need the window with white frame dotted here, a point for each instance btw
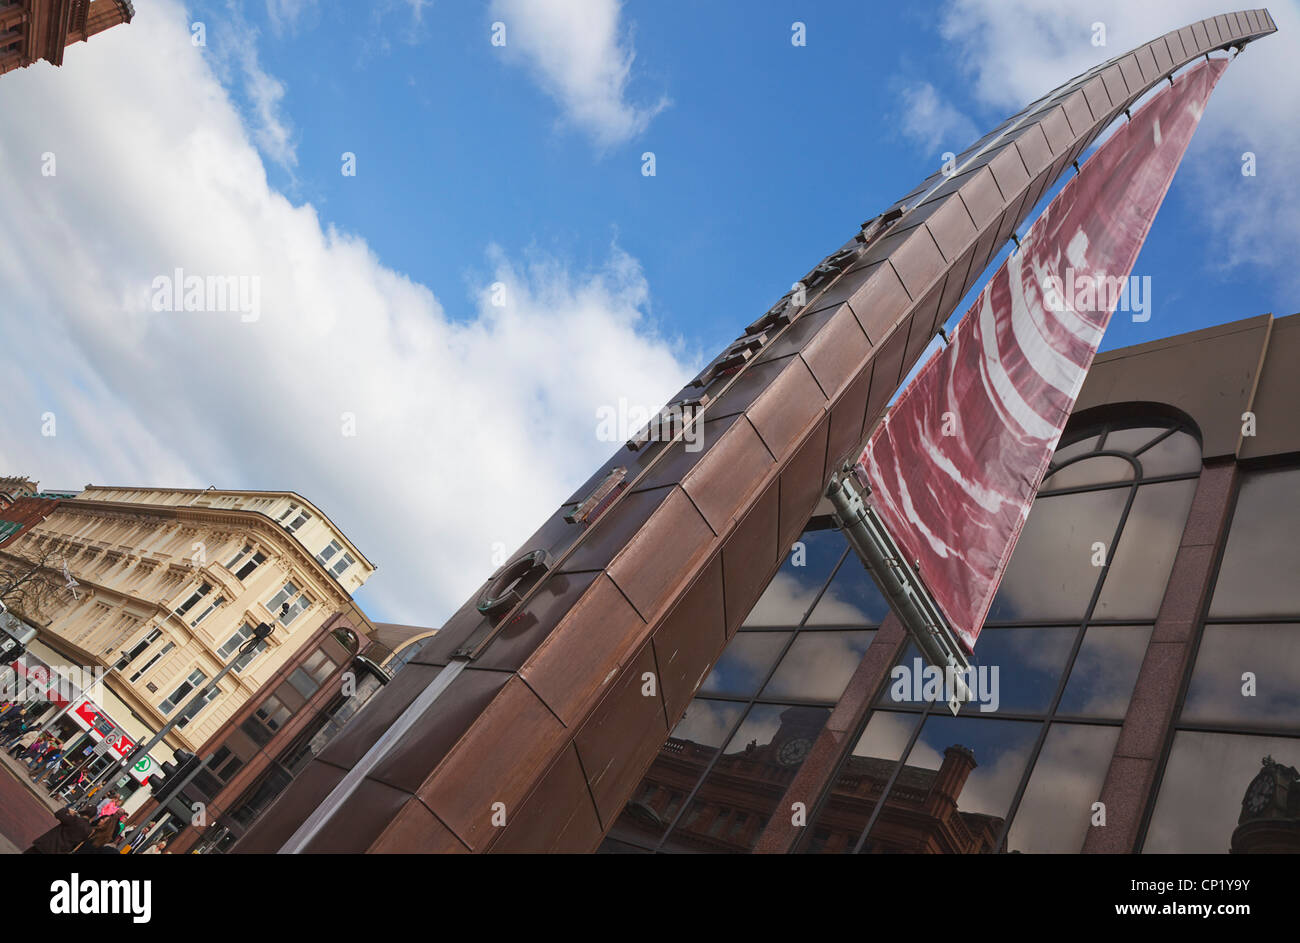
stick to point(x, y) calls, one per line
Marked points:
point(207, 612)
point(183, 690)
point(297, 601)
point(194, 598)
point(137, 650)
point(334, 559)
point(294, 518)
point(139, 672)
point(193, 710)
point(245, 562)
point(231, 648)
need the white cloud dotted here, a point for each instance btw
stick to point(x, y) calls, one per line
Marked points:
point(932, 123)
point(581, 57)
point(1016, 50)
point(470, 430)
point(286, 14)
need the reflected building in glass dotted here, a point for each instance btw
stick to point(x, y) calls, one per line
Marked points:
point(1147, 630)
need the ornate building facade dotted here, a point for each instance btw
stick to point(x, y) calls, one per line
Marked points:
point(167, 585)
point(32, 30)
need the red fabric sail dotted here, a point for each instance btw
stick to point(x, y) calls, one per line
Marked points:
point(954, 467)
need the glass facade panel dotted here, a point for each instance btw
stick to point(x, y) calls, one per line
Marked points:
point(818, 666)
point(1099, 470)
point(1203, 787)
point(1055, 812)
point(1105, 671)
point(1051, 575)
point(1246, 674)
point(1258, 573)
point(851, 599)
point(1178, 454)
point(745, 663)
point(1141, 561)
point(801, 577)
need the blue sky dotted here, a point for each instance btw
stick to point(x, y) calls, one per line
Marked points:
point(768, 155)
point(520, 165)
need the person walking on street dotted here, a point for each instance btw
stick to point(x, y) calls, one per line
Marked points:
point(103, 834)
point(73, 829)
point(24, 742)
point(109, 805)
point(50, 763)
point(13, 727)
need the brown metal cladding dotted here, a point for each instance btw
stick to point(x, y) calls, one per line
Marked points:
point(623, 734)
point(645, 571)
point(837, 351)
point(308, 790)
point(654, 544)
point(881, 302)
point(416, 829)
point(559, 816)
point(407, 766)
point(750, 553)
point(596, 639)
point(692, 635)
point(787, 409)
point(847, 417)
point(498, 760)
point(800, 491)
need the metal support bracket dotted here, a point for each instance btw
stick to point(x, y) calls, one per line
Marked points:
point(901, 584)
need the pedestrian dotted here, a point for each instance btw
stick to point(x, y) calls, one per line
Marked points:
point(109, 805)
point(13, 727)
point(24, 742)
point(50, 764)
point(102, 834)
point(73, 829)
point(157, 848)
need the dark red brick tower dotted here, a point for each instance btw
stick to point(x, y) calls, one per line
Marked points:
point(31, 30)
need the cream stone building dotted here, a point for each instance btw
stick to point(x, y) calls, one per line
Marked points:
point(171, 582)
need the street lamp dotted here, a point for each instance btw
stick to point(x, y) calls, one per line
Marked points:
point(260, 634)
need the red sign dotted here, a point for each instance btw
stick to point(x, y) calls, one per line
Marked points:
point(955, 465)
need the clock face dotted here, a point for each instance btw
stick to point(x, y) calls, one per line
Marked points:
point(793, 751)
point(1260, 793)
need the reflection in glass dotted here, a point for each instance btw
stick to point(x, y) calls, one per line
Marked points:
point(1082, 447)
point(745, 663)
point(1105, 671)
point(818, 665)
point(1140, 563)
point(1258, 574)
point(1029, 662)
point(1051, 575)
point(1219, 692)
point(851, 599)
point(1132, 440)
point(959, 766)
point(707, 723)
point(801, 576)
point(1179, 454)
point(740, 793)
point(1090, 471)
point(1203, 788)
point(676, 770)
point(1055, 812)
